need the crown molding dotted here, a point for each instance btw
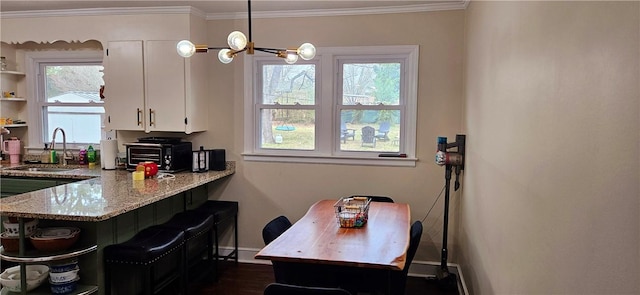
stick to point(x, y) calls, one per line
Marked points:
point(461, 4)
point(105, 11)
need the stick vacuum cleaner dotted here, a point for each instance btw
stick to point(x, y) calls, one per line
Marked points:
point(451, 161)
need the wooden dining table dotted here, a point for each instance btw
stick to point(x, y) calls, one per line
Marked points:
point(318, 240)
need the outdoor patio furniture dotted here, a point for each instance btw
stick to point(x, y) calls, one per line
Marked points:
point(383, 131)
point(346, 133)
point(368, 136)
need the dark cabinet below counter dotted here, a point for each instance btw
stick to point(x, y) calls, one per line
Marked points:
point(10, 186)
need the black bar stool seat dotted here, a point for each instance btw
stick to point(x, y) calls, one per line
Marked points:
point(153, 256)
point(197, 227)
point(223, 213)
point(221, 210)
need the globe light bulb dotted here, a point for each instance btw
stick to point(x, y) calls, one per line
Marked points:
point(291, 58)
point(307, 51)
point(224, 57)
point(186, 48)
point(237, 40)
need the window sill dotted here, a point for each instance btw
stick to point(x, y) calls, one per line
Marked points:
point(316, 159)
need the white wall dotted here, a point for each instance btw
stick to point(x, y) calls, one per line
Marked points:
point(551, 200)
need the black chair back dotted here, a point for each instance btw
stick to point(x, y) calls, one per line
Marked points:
point(270, 232)
point(275, 228)
point(400, 279)
point(285, 289)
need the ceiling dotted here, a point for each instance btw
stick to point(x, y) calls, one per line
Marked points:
point(226, 6)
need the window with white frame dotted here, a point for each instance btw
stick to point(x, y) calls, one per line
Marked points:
point(66, 87)
point(348, 105)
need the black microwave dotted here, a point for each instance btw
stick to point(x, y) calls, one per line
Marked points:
point(170, 157)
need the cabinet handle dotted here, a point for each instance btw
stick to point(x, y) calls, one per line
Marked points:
point(139, 114)
point(152, 117)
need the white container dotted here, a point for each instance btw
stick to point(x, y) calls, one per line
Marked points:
point(13, 229)
point(63, 277)
point(36, 275)
point(108, 154)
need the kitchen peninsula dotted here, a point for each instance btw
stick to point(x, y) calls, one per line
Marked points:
point(107, 205)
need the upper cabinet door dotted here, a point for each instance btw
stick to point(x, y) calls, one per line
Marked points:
point(165, 87)
point(124, 86)
point(149, 87)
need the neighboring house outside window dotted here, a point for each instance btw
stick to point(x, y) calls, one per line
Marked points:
point(66, 90)
point(348, 105)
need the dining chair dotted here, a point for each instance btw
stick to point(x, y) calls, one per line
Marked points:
point(275, 228)
point(286, 289)
point(399, 279)
point(270, 232)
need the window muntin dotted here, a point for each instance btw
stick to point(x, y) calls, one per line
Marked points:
point(69, 98)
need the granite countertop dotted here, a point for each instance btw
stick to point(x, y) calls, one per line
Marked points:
point(100, 195)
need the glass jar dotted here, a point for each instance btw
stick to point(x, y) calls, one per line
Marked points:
point(3, 63)
point(45, 157)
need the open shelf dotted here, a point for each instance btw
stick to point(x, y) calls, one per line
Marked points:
point(13, 73)
point(14, 125)
point(34, 256)
point(45, 288)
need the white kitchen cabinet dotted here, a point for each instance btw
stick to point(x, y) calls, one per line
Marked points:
point(124, 86)
point(149, 87)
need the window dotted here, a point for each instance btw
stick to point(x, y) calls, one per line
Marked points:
point(348, 105)
point(67, 95)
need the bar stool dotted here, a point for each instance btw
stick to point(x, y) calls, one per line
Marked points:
point(197, 227)
point(223, 212)
point(152, 256)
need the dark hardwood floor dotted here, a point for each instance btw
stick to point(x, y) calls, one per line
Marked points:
point(251, 279)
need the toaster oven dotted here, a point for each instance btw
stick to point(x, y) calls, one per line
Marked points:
point(171, 156)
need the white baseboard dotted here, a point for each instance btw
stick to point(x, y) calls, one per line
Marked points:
point(418, 268)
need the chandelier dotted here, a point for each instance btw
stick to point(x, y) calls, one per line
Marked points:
point(239, 43)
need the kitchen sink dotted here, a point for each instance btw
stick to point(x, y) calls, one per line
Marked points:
point(41, 169)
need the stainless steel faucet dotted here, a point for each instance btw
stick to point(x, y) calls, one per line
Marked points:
point(65, 156)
